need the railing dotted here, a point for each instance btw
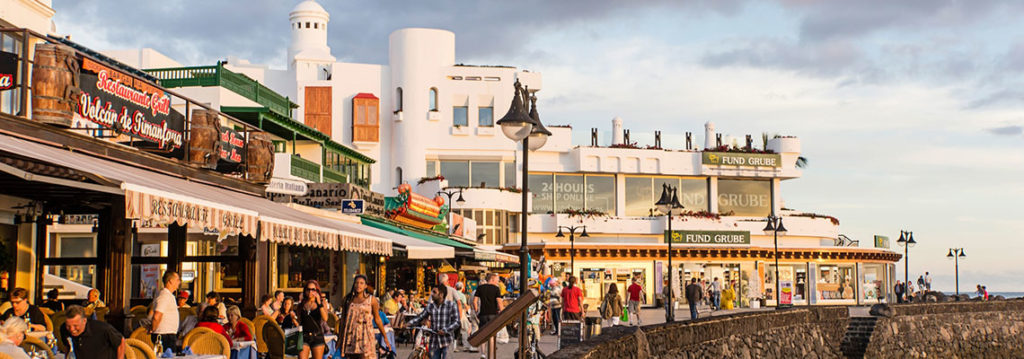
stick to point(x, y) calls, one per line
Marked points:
point(219, 76)
point(305, 169)
point(334, 176)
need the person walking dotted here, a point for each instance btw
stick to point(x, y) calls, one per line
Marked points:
point(100, 340)
point(486, 303)
point(312, 313)
point(669, 296)
point(359, 311)
point(164, 313)
point(716, 294)
point(444, 321)
point(555, 304)
point(636, 295)
point(611, 307)
point(465, 327)
point(694, 294)
point(898, 291)
point(571, 297)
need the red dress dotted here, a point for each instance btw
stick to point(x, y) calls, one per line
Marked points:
point(217, 328)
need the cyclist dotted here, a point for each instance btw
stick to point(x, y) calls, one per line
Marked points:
point(444, 322)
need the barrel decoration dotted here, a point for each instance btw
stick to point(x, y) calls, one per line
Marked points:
point(55, 84)
point(204, 138)
point(259, 158)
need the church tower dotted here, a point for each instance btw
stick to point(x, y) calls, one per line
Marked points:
point(308, 50)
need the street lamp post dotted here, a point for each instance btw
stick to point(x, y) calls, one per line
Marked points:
point(572, 245)
point(775, 226)
point(669, 205)
point(518, 124)
point(956, 254)
point(906, 241)
point(451, 193)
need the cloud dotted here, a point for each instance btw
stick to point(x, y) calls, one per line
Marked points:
point(996, 99)
point(1012, 130)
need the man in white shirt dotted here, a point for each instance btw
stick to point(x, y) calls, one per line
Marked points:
point(164, 313)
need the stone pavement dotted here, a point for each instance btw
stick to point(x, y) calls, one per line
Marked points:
point(549, 344)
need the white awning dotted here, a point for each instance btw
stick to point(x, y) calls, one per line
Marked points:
point(353, 236)
point(486, 255)
point(414, 248)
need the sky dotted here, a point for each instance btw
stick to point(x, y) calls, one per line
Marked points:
point(911, 113)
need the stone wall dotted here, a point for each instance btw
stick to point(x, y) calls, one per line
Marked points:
point(992, 329)
point(805, 332)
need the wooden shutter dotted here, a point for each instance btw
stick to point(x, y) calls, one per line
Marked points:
point(365, 118)
point(318, 109)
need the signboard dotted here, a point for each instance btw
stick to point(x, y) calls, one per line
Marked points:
point(150, 278)
point(709, 237)
point(352, 206)
point(331, 195)
point(79, 219)
point(133, 109)
point(232, 146)
point(787, 293)
point(570, 332)
point(882, 242)
point(286, 186)
point(741, 159)
point(8, 70)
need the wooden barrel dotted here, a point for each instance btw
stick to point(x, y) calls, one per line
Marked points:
point(259, 157)
point(54, 84)
point(204, 139)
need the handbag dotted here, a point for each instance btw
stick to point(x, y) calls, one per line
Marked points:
point(604, 307)
point(625, 315)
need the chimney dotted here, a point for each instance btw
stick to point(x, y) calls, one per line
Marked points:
point(617, 130)
point(709, 135)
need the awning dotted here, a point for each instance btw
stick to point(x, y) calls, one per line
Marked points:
point(153, 196)
point(414, 248)
point(353, 236)
point(163, 199)
point(485, 255)
point(416, 234)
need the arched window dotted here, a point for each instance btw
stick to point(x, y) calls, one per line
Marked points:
point(433, 99)
point(398, 99)
point(398, 176)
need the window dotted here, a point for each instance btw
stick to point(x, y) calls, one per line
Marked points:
point(643, 191)
point(744, 197)
point(431, 168)
point(600, 193)
point(296, 264)
point(318, 108)
point(398, 99)
point(307, 25)
point(398, 176)
point(510, 175)
point(459, 116)
point(365, 124)
point(486, 115)
point(569, 191)
point(432, 97)
point(542, 188)
point(493, 225)
point(485, 174)
point(456, 172)
point(835, 282)
point(639, 196)
point(316, 25)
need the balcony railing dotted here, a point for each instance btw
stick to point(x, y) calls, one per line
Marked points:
point(334, 176)
point(219, 76)
point(305, 169)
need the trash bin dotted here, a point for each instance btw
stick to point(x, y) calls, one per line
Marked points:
point(593, 327)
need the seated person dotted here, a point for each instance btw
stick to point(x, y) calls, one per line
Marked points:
point(268, 305)
point(213, 300)
point(183, 299)
point(89, 338)
point(93, 301)
point(12, 333)
point(238, 330)
point(209, 320)
point(29, 313)
point(286, 315)
point(51, 301)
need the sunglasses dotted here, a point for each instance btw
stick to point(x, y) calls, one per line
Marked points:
point(311, 289)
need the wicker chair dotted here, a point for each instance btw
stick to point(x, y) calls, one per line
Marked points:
point(58, 320)
point(49, 323)
point(46, 311)
point(138, 349)
point(142, 335)
point(257, 324)
point(138, 312)
point(101, 314)
point(273, 340)
point(210, 343)
point(332, 321)
point(35, 344)
point(193, 334)
point(185, 313)
point(248, 323)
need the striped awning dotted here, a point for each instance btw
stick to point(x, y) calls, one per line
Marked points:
point(162, 207)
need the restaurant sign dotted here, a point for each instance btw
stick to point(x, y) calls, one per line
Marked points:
point(741, 159)
point(882, 242)
point(709, 237)
point(132, 108)
point(333, 195)
point(8, 70)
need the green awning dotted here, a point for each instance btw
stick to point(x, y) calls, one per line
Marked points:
point(416, 234)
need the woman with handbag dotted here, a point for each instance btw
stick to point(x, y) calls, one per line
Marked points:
point(611, 307)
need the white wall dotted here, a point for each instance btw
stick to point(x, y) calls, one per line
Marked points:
point(36, 15)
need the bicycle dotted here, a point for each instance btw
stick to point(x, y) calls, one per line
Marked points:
point(421, 351)
point(533, 349)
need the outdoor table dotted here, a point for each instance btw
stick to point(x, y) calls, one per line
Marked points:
point(243, 350)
